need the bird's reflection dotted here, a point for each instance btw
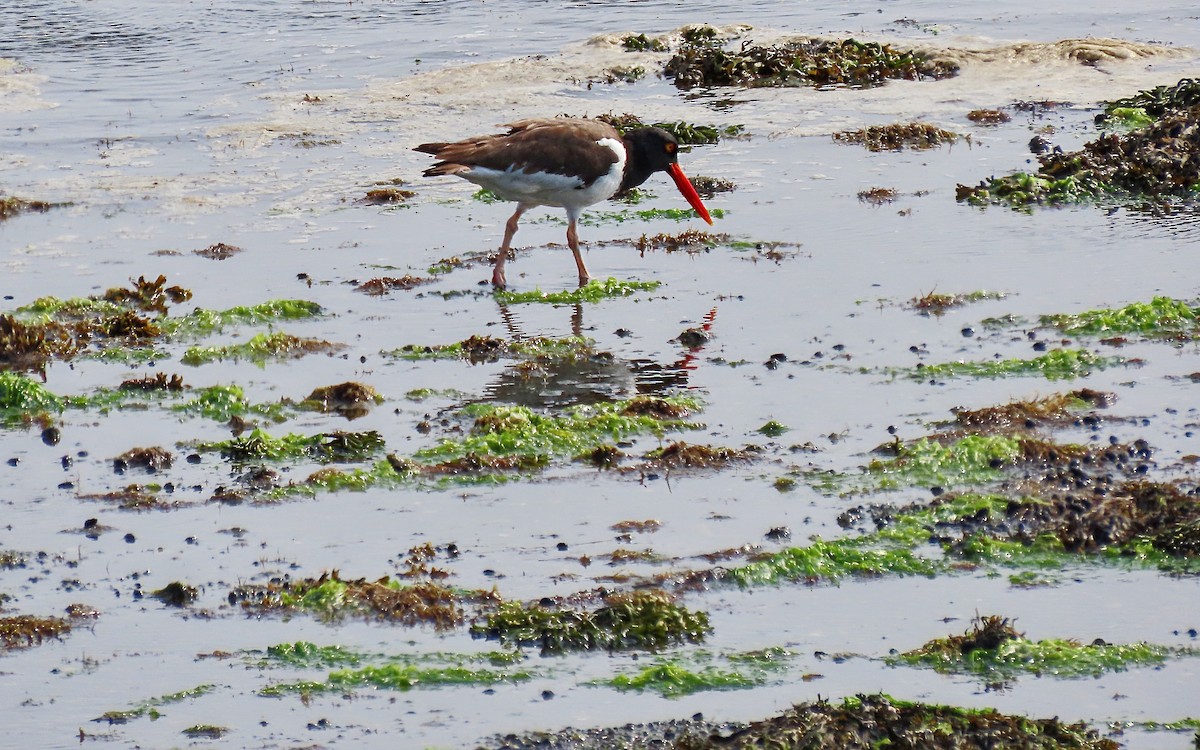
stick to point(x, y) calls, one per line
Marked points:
point(585, 377)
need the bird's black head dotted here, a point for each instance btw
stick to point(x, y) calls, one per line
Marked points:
point(650, 150)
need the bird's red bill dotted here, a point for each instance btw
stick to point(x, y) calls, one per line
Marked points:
point(689, 192)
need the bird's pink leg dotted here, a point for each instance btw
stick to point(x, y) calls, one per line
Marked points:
point(510, 228)
point(573, 243)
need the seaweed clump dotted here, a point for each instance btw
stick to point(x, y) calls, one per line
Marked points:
point(350, 399)
point(152, 296)
point(332, 597)
point(898, 136)
point(703, 61)
point(992, 647)
point(639, 620)
point(1159, 161)
point(871, 721)
point(11, 205)
point(23, 631)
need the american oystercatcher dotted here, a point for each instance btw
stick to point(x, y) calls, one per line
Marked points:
point(566, 162)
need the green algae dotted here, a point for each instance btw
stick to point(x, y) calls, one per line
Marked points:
point(1059, 364)
point(258, 349)
point(1022, 189)
point(22, 398)
point(260, 445)
point(830, 562)
point(1161, 317)
point(401, 677)
point(626, 215)
point(130, 355)
point(773, 429)
point(47, 308)
point(424, 394)
point(673, 680)
point(643, 43)
point(324, 447)
point(1128, 117)
point(972, 459)
point(487, 349)
point(223, 402)
point(1160, 100)
point(149, 708)
point(505, 431)
point(594, 291)
point(307, 655)
point(685, 675)
point(201, 322)
point(641, 620)
point(992, 648)
point(935, 303)
point(205, 731)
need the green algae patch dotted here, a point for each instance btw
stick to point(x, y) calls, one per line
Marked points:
point(201, 322)
point(223, 402)
point(626, 215)
point(704, 61)
point(25, 631)
point(992, 648)
point(23, 399)
point(937, 303)
point(259, 349)
point(863, 722)
point(594, 291)
point(478, 349)
point(773, 429)
point(1127, 117)
point(672, 680)
point(325, 447)
point(307, 655)
point(387, 599)
point(517, 431)
point(973, 459)
point(697, 672)
point(1160, 100)
point(641, 620)
point(1059, 364)
point(149, 708)
point(397, 677)
point(205, 732)
point(1161, 317)
point(830, 562)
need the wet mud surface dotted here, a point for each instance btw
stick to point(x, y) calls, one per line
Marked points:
point(862, 464)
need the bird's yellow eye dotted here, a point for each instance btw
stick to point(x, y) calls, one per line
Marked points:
point(670, 147)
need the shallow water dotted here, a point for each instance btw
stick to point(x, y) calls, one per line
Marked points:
point(173, 127)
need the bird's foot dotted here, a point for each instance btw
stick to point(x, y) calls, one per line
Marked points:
point(498, 279)
point(584, 279)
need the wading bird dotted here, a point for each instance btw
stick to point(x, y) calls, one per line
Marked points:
point(566, 162)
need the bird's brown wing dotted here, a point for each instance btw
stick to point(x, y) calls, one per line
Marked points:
point(557, 146)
